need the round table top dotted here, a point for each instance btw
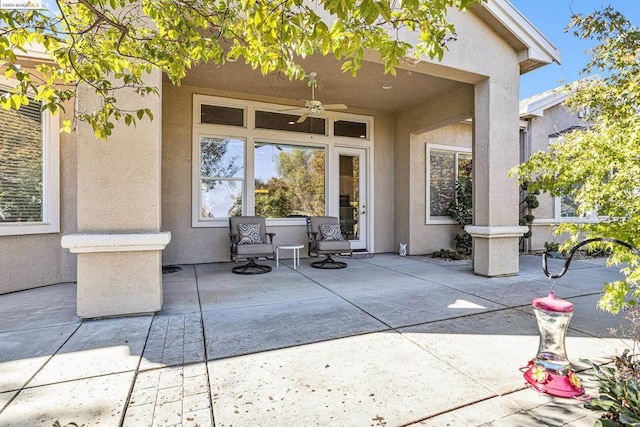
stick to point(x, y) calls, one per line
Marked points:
point(290, 246)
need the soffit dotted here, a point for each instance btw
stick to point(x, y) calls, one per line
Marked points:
point(534, 49)
point(365, 92)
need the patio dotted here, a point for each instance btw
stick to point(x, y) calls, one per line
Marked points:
point(388, 341)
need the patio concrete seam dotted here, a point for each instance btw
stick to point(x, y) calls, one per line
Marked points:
point(135, 375)
point(53, 325)
point(26, 385)
point(286, 347)
point(206, 355)
point(265, 304)
point(463, 316)
point(348, 301)
point(428, 281)
point(451, 410)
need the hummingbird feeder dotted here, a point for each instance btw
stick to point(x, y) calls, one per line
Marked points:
point(550, 371)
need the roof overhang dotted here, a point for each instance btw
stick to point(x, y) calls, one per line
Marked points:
point(534, 49)
point(535, 106)
point(34, 54)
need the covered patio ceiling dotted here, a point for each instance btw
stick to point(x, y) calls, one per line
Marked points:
point(368, 91)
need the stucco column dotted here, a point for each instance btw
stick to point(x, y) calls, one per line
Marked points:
point(119, 241)
point(495, 230)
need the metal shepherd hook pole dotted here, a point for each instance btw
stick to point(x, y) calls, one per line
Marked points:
point(567, 261)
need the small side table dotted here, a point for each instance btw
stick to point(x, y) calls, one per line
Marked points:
point(296, 254)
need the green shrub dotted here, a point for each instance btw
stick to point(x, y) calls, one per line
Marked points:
point(447, 254)
point(619, 391)
point(619, 385)
point(552, 246)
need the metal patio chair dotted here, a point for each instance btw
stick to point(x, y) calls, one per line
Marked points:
point(326, 238)
point(249, 240)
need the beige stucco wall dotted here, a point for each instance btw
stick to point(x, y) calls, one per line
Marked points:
point(200, 245)
point(34, 260)
point(427, 238)
point(555, 119)
point(435, 120)
point(489, 64)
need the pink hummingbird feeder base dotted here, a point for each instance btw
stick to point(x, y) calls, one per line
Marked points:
point(550, 371)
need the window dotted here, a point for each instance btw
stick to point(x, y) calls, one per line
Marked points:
point(445, 166)
point(219, 115)
point(289, 123)
point(253, 158)
point(289, 180)
point(29, 171)
point(565, 207)
point(221, 177)
point(350, 129)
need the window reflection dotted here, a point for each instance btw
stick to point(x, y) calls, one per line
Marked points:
point(289, 180)
point(446, 168)
point(221, 177)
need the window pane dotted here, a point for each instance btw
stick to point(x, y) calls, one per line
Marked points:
point(465, 166)
point(21, 164)
point(218, 115)
point(443, 181)
point(350, 129)
point(220, 198)
point(289, 180)
point(350, 195)
point(222, 170)
point(288, 122)
point(568, 207)
point(221, 157)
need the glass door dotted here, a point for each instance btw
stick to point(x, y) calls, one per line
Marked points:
point(352, 193)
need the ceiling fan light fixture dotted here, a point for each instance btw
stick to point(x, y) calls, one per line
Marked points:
point(313, 107)
point(387, 86)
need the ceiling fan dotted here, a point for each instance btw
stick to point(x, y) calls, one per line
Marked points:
point(313, 107)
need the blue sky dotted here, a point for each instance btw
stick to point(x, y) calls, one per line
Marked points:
point(551, 18)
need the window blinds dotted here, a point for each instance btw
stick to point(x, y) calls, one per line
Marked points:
point(21, 164)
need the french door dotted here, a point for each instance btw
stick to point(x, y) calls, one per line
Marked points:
point(353, 194)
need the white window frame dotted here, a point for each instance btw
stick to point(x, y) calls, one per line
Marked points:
point(557, 201)
point(50, 178)
point(438, 147)
point(197, 198)
point(557, 211)
point(251, 135)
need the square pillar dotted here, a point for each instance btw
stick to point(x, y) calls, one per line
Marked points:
point(118, 274)
point(496, 149)
point(119, 241)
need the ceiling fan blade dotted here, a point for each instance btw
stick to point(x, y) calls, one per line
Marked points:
point(329, 115)
point(335, 107)
point(292, 109)
point(302, 118)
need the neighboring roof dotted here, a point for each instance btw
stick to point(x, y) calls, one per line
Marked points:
point(568, 130)
point(35, 54)
point(535, 105)
point(534, 48)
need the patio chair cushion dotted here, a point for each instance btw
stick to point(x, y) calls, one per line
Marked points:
point(249, 234)
point(250, 250)
point(330, 232)
point(334, 245)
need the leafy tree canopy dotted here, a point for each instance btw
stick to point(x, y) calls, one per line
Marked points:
point(600, 167)
point(113, 44)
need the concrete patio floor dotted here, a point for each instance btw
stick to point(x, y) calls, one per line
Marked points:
point(389, 341)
